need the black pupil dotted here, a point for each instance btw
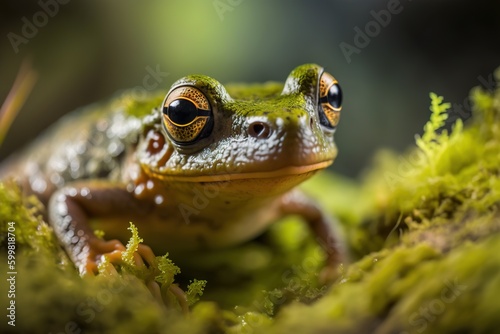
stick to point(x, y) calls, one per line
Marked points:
point(182, 111)
point(334, 96)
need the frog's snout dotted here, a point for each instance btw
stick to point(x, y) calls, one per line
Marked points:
point(259, 130)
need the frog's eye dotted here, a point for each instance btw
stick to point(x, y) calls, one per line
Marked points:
point(187, 115)
point(330, 100)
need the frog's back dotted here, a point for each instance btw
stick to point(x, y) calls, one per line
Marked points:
point(89, 143)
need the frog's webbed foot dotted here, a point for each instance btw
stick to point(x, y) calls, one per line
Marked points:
point(181, 297)
point(99, 248)
point(70, 209)
point(113, 251)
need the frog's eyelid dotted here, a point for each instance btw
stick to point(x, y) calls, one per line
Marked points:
point(304, 79)
point(205, 112)
point(190, 93)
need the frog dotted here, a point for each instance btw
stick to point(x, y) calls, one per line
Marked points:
point(204, 166)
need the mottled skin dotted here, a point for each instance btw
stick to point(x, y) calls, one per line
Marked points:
point(105, 166)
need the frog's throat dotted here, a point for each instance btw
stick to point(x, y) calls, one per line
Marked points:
point(235, 175)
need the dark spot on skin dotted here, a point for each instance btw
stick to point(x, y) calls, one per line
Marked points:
point(227, 202)
point(156, 143)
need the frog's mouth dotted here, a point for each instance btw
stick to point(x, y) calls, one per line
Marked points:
point(288, 171)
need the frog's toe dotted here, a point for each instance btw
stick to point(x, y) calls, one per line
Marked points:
point(146, 253)
point(143, 255)
point(112, 249)
point(108, 247)
point(88, 269)
point(88, 260)
point(155, 290)
point(181, 297)
point(163, 299)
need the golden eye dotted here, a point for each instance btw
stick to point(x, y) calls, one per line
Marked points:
point(187, 115)
point(330, 100)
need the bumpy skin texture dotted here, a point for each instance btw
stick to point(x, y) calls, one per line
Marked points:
point(105, 166)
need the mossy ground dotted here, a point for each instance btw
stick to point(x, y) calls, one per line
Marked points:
point(423, 230)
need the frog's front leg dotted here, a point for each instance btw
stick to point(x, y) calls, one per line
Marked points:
point(70, 209)
point(321, 226)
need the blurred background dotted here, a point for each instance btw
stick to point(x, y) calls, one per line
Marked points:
point(85, 51)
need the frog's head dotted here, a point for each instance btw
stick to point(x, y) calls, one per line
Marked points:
point(271, 132)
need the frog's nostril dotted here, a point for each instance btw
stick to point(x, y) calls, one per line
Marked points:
point(259, 130)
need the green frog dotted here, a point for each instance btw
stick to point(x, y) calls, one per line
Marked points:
point(204, 167)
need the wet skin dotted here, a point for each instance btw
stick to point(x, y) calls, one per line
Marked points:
point(204, 167)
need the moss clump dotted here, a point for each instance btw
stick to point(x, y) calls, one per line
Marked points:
point(428, 236)
point(49, 295)
point(21, 217)
point(423, 229)
point(139, 103)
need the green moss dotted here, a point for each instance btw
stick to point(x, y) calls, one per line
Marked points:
point(252, 92)
point(168, 270)
point(195, 291)
point(423, 230)
point(140, 103)
point(132, 245)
